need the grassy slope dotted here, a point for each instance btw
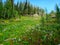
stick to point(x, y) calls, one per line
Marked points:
point(12, 29)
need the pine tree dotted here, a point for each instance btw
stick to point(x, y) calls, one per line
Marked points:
point(9, 8)
point(12, 5)
point(21, 7)
point(25, 8)
point(57, 14)
point(1, 8)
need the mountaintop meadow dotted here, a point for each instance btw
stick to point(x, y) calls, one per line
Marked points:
point(22, 23)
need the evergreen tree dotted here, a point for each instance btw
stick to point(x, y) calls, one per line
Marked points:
point(25, 11)
point(21, 8)
point(12, 5)
point(8, 9)
point(57, 14)
point(30, 9)
point(1, 8)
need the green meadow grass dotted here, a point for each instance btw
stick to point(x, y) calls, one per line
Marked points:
point(15, 28)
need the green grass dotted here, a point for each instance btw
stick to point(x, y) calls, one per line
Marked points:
point(16, 28)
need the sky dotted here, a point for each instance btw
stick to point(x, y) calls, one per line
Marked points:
point(45, 4)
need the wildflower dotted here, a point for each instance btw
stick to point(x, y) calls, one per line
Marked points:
point(19, 39)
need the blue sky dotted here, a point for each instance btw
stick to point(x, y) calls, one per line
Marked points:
point(48, 4)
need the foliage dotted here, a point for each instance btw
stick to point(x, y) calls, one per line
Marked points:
point(57, 14)
point(14, 30)
point(24, 31)
point(1, 8)
point(8, 8)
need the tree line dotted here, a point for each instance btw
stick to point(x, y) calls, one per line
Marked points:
point(9, 10)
